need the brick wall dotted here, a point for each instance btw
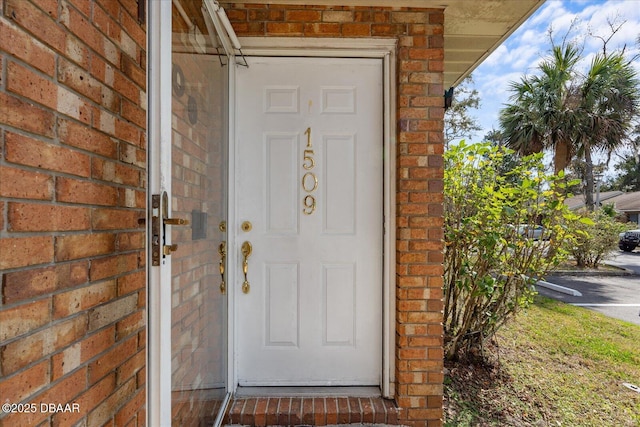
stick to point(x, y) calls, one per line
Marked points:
point(419, 365)
point(72, 187)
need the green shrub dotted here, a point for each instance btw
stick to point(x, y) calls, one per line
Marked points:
point(490, 265)
point(595, 240)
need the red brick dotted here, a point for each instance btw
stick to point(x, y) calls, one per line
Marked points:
point(272, 411)
point(343, 410)
point(88, 401)
point(16, 42)
point(26, 116)
point(24, 318)
point(130, 409)
point(25, 251)
point(40, 24)
point(409, 17)
point(80, 26)
point(105, 22)
point(131, 324)
point(307, 410)
point(83, 246)
point(322, 29)
point(426, 54)
point(387, 29)
point(131, 241)
point(355, 410)
point(27, 151)
point(295, 413)
point(331, 406)
point(18, 387)
point(81, 81)
point(135, 73)
point(285, 28)
point(303, 15)
point(85, 192)
point(30, 85)
point(112, 312)
point(356, 29)
point(82, 351)
point(39, 217)
point(80, 136)
point(131, 283)
point(130, 367)
point(126, 87)
point(379, 411)
point(23, 184)
point(76, 300)
point(27, 284)
point(128, 132)
point(30, 348)
point(112, 219)
point(283, 411)
point(113, 266)
point(261, 412)
point(108, 407)
point(112, 359)
point(133, 113)
point(65, 390)
point(133, 155)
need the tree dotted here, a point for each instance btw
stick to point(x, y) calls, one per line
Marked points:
point(627, 177)
point(571, 113)
point(596, 240)
point(457, 121)
point(490, 264)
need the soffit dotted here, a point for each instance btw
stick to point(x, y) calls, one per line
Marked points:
point(472, 28)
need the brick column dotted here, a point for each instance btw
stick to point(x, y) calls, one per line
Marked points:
point(419, 244)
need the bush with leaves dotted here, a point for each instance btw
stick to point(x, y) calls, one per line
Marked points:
point(597, 239)
point(491, 265)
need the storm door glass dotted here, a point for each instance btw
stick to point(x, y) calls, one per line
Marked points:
point(198, 193)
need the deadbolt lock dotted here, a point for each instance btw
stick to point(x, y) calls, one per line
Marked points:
point(246, 226)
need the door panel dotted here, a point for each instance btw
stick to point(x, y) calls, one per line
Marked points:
point(195, 177)
point(310, 179)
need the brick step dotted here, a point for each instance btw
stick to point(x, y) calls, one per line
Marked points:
point(318, 411)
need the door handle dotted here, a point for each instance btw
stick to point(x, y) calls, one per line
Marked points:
point(160, 249)
point(246, 253)
point(175, 221)
point(222, 250)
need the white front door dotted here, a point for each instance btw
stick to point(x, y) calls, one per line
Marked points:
point(309, 185)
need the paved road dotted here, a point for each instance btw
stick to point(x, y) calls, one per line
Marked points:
point(615, 296)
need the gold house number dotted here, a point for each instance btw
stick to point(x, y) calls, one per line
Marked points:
point(309, 179)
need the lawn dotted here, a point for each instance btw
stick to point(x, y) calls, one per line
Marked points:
point(554, 365)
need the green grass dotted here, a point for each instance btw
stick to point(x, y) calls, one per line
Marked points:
point(554, 365)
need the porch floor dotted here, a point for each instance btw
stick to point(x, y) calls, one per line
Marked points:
point(319, 411)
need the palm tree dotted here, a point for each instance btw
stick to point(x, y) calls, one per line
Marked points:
point(572, 114)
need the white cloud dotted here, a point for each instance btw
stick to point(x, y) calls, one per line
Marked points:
point(528, 45)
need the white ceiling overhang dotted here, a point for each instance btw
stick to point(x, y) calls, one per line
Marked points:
point(472, 28)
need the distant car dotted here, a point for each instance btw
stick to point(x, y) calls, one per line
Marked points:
point(535, 232)
point(629, 240)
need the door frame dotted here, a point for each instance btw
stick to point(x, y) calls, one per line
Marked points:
point(158, 388)
point(385, 50)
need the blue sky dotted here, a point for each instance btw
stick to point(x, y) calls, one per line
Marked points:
point(528, 45)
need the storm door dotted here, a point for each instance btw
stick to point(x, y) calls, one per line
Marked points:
point(188, 164)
